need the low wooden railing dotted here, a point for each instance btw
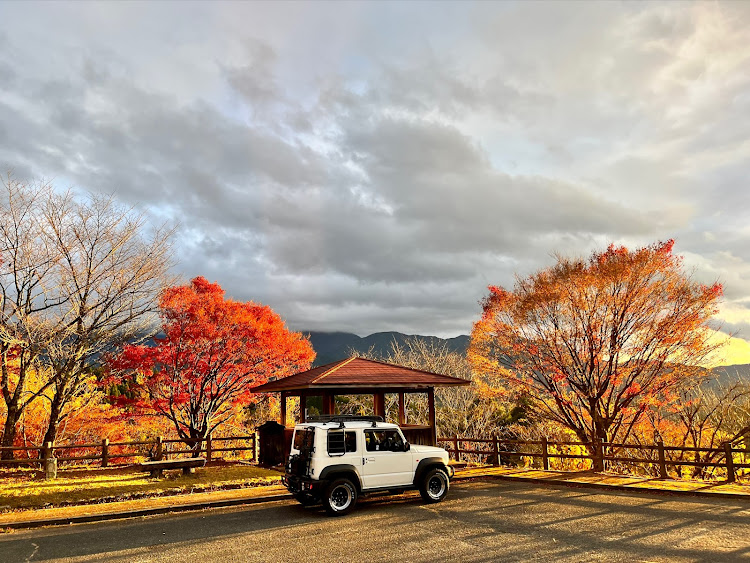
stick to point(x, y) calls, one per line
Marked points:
point(497, 450)
point(105, 452)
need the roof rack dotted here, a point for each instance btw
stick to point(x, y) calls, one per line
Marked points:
point(341, 418)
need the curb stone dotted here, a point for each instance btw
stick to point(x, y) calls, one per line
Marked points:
point(119, 515)
point(603, 487)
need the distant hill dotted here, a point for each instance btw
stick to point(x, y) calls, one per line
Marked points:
point(727, 375)
point(332, 346)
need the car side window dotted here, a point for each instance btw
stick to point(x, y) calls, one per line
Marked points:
point(371, 441)
point(340, 442)
point(383, 441)
point(350, 441)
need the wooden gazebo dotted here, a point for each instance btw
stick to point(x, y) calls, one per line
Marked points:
point(358, 376)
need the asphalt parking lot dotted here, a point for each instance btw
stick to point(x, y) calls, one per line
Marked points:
point(479, 521)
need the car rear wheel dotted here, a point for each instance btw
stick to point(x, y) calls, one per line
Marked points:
point(340, 497)
point(435, 485)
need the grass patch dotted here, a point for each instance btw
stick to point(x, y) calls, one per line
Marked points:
point(93, 486)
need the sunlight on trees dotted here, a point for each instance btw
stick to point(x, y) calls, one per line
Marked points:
point(469, 411)
point(594, 344)
point(214, 349)
point(78, 277)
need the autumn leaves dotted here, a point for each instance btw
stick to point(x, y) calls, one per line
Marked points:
point(213, 350)
point(594, 344)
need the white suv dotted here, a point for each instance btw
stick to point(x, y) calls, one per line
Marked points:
point(334, 459)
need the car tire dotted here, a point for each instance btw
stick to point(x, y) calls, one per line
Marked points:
point(435, 485)
point(340, 497)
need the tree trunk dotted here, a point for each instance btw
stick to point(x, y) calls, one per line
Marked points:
point(54, 419)
point(596, 455)
point(195, 443)
point(9, 432)
point(597, 452)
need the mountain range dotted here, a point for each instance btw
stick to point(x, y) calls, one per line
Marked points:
point(333, 346)
point(727, 375)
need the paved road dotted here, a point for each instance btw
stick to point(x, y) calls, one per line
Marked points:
point(479, 521)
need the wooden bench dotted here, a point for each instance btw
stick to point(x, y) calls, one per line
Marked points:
point(187, 465)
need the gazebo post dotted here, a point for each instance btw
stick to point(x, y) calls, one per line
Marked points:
point(302, 406)
point(282, 406)
point(328, 404)
point(401, 409)
point(431, 407)
point(379, 404)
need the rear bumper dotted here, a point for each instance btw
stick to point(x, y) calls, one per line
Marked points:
point(300, 485)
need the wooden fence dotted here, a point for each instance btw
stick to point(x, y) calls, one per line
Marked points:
point(118, 453)
point(654, 459)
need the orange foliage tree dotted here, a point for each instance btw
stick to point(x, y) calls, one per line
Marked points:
point(213, 350)
point(596, 343)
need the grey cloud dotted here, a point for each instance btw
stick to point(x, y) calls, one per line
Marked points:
point(353, 183)
point(255, 81)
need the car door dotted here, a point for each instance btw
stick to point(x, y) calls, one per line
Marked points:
point(384, 461)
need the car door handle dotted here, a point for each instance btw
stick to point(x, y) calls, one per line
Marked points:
point(366, 459)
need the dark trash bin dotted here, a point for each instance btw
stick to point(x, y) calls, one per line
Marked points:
point(271, 444)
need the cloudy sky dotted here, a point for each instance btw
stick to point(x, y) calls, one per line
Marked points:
point(373, 166)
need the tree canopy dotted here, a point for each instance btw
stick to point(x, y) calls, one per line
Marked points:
point(213, 350)
point(596, 342)
point(78, 276)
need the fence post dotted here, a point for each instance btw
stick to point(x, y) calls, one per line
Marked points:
point(545, 454)
point(729, 461)
point(598, 456)
point(662, 460)
point(50, 462)
point(495, 451)
point(455, 447)
point(255, 446)
point(159, 455)
point(209, 448)
point(105, 452)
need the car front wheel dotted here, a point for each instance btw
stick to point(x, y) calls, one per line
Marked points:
point(435, 485)
point(340, 497)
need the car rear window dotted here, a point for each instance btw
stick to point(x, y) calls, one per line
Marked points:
point(303, 439)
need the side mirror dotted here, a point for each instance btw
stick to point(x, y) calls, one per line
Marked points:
point(407, 446)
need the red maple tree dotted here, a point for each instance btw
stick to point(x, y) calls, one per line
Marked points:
point(213, 351)
point(596, 343)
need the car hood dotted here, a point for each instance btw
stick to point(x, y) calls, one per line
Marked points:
point(419, 449)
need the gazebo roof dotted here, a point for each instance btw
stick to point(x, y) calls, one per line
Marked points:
point(358, 373)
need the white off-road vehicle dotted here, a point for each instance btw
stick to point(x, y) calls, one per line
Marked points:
point(335, 459)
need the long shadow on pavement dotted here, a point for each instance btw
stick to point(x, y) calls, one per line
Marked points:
point(539, 523)
point(100, 538)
